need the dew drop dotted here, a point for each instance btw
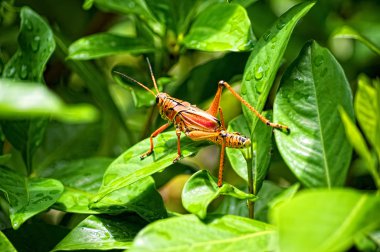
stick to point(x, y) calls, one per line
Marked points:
point(243, 90)
point(36, 43)
point(11, 72)
point(266, 36)
point(318, 60)
point(28, 25)
point(259, 73)
point(23, 72)
point(280, 24)
point(248, 77)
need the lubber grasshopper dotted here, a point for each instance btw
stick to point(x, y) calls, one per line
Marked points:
point(198, 124)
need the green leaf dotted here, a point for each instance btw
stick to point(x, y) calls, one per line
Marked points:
point(358, 142)
point(349, 32)
point(36, 44)
point(140, 197)
point(20, 100)
point(129, 168)
point(81, 179)
point(102, 233)
point(5, 244)
point(265, 59)
point(201, 189)
point(325, 220)
point(367, 110)
point(312, 89)
point(222, 27)
point(188, 233)
point(27, 197)
point(105, 44)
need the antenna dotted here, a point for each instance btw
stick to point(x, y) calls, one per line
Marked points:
point(152, 75)
point(137, 82)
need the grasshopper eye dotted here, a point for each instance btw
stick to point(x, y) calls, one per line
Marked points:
point(157, 99)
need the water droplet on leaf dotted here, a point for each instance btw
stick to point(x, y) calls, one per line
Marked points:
point(259, 73)
point(266, 36)
point(28, 25)
point(248, 77)
point(11, 72)
point(280, 24)
point(23, 72)
point(243, 90)
point(36, 43)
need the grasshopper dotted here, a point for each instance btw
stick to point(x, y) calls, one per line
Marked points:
point(198, 124)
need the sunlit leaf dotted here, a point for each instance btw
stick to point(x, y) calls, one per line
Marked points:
point(24, 100)
point(311, 91)
point(188, 233)
point(129, 168)
point(222, 27)
point(105, 44)
point(102, 233)
point(358, 142)
point(325, 220)
point(264, 61)
point(367, 110)
point(5, 244)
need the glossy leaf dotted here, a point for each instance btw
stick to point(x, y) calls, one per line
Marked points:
point(27, 197)
point(201, 189)
point(188, 233)
point(325, 220)
point(5, 244)
point(367, 110)
point(222, 27)
point(265, 59)
point(105, 44)
point(316, 150)
point(349, 32)
point(129, 168)
point(101, 233)
point(81, 179)
point(36, 44)
point(140, 197)
point(20, 99)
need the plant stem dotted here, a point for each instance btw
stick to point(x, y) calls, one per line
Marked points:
point(251, 204)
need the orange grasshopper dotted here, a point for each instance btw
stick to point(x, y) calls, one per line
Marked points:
point(198, 124)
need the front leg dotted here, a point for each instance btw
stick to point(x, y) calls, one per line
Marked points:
point(154, 134)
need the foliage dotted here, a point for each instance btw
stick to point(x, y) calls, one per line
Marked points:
point(71, 133)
